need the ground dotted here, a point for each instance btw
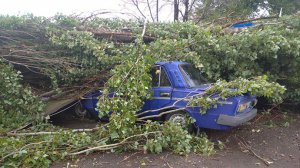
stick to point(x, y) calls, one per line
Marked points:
point(274, 138)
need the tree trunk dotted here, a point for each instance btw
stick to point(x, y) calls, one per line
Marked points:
point(150, 11)
point(157, 10)
point(186, 11)
point(176, 10)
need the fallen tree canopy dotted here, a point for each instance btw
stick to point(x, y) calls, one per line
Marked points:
point(66, 56)
point(80, 48)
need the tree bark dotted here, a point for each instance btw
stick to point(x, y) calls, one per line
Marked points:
point(150, 10)
point(157, 9)
point(176, 10)
point(186, 11)
point(136, 4)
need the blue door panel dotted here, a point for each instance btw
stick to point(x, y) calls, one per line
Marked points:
point(161, 97)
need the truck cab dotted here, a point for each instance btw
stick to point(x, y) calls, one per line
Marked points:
point(173, 84)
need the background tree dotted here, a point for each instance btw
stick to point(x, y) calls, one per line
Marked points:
point(184, 8)
point(221, 11)
point(149, 9)
point(226, 10)
point(157, 10)
point(288, 6)
point(176, 10)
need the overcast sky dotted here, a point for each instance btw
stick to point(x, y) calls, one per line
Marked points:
point(51, 7)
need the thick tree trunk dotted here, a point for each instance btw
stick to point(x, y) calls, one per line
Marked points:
point(186, 11)
point(176, 10)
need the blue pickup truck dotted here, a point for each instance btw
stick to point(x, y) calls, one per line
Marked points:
point(173, 84)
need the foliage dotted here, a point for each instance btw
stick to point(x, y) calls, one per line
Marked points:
point(132, 83)
point(82, 58)
point(17, 104)
point(25, 43)
point(226, 11)
point(267, 50)
point(289, 7)
point(282, 119)
point(258, 86)
point(221, 12)
point(42, 150)
point(224, 56)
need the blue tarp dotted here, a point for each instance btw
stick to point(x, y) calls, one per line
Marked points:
point(241, 25)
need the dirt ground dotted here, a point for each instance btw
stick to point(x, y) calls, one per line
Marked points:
point(272, 138)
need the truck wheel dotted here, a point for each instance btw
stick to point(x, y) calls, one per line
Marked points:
point(181, 118)
point(80, 111)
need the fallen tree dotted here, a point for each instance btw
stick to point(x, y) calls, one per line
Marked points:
point(85, 56)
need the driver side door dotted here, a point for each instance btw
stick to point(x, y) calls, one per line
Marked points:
point(162, 88)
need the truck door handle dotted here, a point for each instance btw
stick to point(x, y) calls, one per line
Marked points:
point(164, 94)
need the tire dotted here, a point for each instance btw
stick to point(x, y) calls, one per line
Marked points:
point(80, 112)
point(181, 118)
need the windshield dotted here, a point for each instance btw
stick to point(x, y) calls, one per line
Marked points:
point(192, 75)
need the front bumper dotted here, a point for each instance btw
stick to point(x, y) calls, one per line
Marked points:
point(236, 120)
